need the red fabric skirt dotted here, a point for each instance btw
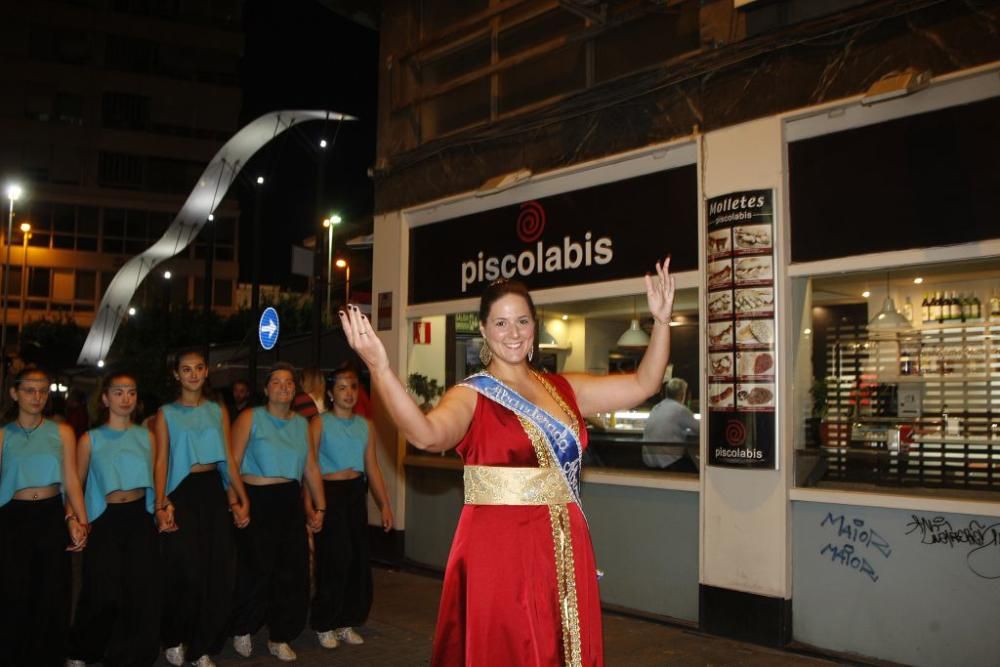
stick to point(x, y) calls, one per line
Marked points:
point(500, 602)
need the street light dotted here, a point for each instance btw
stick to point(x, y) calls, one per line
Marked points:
point(342, 264)
point(26, 234)
point(13, 194)
point(334, 219)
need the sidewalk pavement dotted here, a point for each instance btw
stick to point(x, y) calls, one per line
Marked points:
point(401, 628)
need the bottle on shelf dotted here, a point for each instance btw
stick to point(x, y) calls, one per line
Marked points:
point(908, 310)
point(995, 305)
point(977, 308)
point(925, 309)
point(964, 307)
point(935, 309)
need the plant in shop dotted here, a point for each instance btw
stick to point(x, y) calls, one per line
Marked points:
point(818, 428)
point(423, 388)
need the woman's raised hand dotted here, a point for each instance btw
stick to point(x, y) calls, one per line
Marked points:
point(362, 339)
point(660, 292)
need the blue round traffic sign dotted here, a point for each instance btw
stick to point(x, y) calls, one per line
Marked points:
point(267, 329)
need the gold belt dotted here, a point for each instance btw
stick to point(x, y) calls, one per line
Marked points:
point(496, 485)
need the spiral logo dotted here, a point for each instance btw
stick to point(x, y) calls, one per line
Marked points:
point(736, 433)
point(530, 222)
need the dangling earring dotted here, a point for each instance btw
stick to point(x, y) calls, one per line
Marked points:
point(531, 353)
point(485, 355)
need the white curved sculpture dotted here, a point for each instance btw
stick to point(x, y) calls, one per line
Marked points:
point(211, 188)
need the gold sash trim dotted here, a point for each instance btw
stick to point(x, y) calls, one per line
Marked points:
point(497, 485)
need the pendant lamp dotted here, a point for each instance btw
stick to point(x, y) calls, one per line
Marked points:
point(888, 318)
point(634, 336)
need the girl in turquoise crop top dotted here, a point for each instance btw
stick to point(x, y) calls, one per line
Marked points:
point(345, 445)
point(271, 446)
point(198, 490)
point(37, 462)
point(117, 618)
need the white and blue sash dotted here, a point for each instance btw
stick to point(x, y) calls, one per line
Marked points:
point(562, 441)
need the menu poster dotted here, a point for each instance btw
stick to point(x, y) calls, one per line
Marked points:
point(740, 306)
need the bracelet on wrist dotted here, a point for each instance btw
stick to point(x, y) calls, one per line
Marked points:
point(320, 509)
point(659, 321)
point(164, 507)
point(71, 517)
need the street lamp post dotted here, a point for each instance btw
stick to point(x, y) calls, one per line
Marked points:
point(13, 193)
point(26, 234)
point(329, 223)
point(342, 264)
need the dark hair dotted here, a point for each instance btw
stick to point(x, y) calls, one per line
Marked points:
point(175, 363)
point(344, 369)
point(499, 289)
point(12, 410)
point(282, 366)
point(103, 411)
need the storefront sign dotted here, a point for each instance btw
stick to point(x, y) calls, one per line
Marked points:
point(467, 323)
point(606, 232)
point(740, 308)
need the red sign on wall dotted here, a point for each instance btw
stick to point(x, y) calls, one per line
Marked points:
point(421, 333)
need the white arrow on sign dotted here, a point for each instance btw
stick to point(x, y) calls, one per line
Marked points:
point(269, 328)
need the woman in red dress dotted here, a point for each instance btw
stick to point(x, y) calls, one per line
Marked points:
point(520, 587)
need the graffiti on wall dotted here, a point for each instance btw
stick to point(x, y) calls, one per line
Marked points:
point(978, 541)
point(856, 542)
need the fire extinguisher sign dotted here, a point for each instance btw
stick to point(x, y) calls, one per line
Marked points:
point(421, 333)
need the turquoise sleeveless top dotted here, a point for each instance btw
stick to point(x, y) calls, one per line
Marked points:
point(276, 447)
point(342, 443)
point(30, 458)
point(196, 437)
point(119, 461)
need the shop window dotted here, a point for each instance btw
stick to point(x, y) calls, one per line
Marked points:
point(914, 406)
point(573, 337)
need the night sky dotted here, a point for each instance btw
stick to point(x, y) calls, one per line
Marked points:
point(299, 55)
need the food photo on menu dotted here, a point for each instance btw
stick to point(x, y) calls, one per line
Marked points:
point(720, 304)
point(754, 333)
point(721, 396)
point(754, 364)
point(755, 396)
point(754, 301)
point(752, 238)
point(720, 273)
point(720, 365)
point(754, 270)
point(720, 335)
point(719, 243)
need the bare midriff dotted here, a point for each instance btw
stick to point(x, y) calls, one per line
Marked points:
point(340, 475)
point(127, 496)
point(37, 492)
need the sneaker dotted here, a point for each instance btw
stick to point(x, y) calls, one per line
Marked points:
point(327, 639)
point(243, 645)
point(75, 663)
point(203, 661)
point(175, 655)
point(282, 651)
point(348, 635)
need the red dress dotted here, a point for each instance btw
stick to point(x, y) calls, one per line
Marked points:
point(505, 583)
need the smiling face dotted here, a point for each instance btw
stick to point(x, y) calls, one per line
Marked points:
point(191, 372)
point(120, 396)
point(280, 388)
point(509, 329)
point(345, 391)
point(31, 394)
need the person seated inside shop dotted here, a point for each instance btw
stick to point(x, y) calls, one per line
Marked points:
point(670, 421)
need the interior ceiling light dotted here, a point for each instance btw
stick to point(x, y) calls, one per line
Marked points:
point(634, 336)
point(888, 318)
